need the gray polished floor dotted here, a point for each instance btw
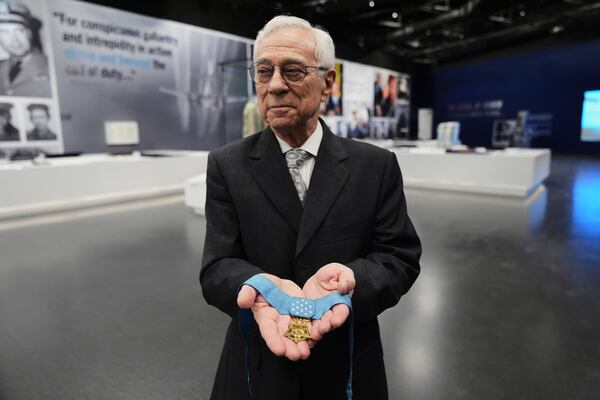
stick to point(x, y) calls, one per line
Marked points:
point(507, 306)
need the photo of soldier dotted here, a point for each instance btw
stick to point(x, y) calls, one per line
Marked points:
point(8, 132)
point(23, 66)
point(39, 116)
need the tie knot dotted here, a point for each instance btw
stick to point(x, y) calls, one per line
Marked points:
point(295, 158)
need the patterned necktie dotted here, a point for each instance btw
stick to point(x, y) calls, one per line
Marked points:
point(14, 71)
point(295, 159)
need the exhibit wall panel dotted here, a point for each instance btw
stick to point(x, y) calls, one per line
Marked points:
point(106, 65)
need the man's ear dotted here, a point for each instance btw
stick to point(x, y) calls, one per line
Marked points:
point(329, 80)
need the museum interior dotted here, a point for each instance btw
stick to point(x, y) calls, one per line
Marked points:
point(110, 111)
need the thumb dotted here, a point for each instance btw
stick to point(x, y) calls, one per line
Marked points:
point(246, 296)
point(346, 282)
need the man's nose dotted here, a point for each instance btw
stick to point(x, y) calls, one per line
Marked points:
point(277, 84)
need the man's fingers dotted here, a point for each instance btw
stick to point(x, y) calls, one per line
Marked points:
point(315, 333)
point(291, 350)
point(304, 349)
point(246, 296)
point(340, 313)
point(283, 323)
point(346, 281)
point(325, 323)
point(270, 334)
point(272, 326)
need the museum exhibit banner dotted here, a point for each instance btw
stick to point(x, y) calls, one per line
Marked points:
point(89, 65)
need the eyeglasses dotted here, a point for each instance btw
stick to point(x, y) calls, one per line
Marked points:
point(261, 73)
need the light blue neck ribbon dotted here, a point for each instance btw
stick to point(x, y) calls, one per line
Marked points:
point(296, 307)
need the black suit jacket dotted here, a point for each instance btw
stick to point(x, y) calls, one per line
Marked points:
point(354, 214)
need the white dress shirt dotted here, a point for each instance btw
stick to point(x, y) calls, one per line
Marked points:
point(311, 146)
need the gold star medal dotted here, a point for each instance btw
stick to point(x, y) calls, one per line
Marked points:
point(298, 330)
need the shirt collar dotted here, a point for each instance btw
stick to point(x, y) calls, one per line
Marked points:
point(311, 145)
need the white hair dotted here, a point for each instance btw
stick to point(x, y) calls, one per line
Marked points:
point(324, 47)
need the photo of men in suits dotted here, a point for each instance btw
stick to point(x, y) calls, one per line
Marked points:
point(24, 66)
point(8, 132)
point(39, 115)
point(315, 214)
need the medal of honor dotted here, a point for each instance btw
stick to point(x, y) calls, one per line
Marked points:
point(298, 330)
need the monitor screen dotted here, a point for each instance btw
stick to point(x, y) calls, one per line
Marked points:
point(590, 116)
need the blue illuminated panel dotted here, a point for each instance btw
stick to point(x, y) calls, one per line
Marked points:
point(590, 117)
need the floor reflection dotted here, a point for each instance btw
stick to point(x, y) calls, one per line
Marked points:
point(507, 306)
point(586, 202)
point(507, 295)
point(479, 212)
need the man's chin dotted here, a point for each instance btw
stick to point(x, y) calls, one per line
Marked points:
point(281, 123)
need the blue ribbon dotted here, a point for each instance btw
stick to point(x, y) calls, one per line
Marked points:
point(294, 306)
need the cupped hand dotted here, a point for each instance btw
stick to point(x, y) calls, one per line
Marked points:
point(271, 324)
point(328, 279)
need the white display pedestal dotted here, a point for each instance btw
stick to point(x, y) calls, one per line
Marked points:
point(93, 180)
point(195, 193)
point(511, 172)
point(100, 179)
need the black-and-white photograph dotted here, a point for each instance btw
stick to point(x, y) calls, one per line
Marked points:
point(23, 63)
point(8, 131)
point(39, 122)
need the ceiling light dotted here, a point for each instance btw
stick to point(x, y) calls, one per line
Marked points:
point(371, 4)
point(394, 15)
point(500, 18)
point(414, 43)
point(391, 24)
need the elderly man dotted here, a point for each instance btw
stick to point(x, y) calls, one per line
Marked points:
point(25, 71)
point(313, 213)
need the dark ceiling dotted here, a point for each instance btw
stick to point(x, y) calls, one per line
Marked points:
point(427, 31)
point(441, 30)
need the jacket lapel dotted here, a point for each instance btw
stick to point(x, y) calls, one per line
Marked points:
point(328, 178)
point(272, 175)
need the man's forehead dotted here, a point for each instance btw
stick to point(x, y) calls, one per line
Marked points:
point(288, 43)
point(281, 60)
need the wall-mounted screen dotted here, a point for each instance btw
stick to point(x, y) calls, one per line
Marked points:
point(590, 116)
